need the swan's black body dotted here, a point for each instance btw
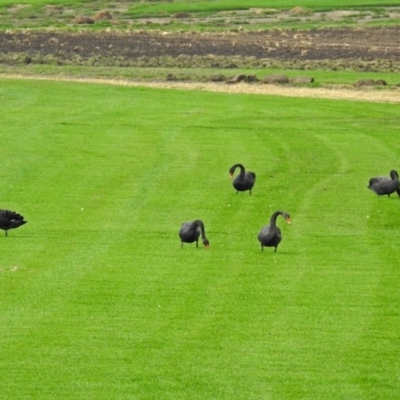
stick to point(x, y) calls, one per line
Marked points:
point(271, 236)
point(244, 181)
point(10, 220)
point(383, 185)
point(191, 231)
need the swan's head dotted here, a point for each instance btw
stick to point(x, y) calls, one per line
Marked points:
point(287, 217)
point(206, 243)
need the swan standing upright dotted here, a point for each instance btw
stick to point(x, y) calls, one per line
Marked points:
point(383, 185)
point(244, 181)
point(270, 235)
point(10, 220)
point(191, 231)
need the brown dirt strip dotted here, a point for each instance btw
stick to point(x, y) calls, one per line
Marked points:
point(336, 93)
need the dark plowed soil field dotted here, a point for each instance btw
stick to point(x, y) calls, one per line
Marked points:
point(348, 45)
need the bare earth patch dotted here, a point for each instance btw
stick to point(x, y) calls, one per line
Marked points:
point(372, 48)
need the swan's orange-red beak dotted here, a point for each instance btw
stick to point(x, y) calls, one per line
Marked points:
point(288, 220)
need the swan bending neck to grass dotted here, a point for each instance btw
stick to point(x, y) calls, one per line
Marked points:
point(191, 231)
point(270, 235)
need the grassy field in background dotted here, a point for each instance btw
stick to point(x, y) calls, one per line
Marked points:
point(99, 301)
point(60, 14)
point(216, 5)
point(224, 5)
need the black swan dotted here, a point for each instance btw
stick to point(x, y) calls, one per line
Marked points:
point(270, 236)
point(10, 220)
point(190, 232)
point(382, 185)
point(244, 181)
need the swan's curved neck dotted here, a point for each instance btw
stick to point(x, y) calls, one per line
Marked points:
point(201, 225)
point(274, 217)
point(242, 170)
point(241, 166)
point(394, 175)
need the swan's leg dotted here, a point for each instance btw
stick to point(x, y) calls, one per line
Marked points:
point(275, 249)
point(197, 243)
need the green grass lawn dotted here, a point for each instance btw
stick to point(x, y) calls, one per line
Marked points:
point(99, 301)
point(224, 5)
point(215, 4)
